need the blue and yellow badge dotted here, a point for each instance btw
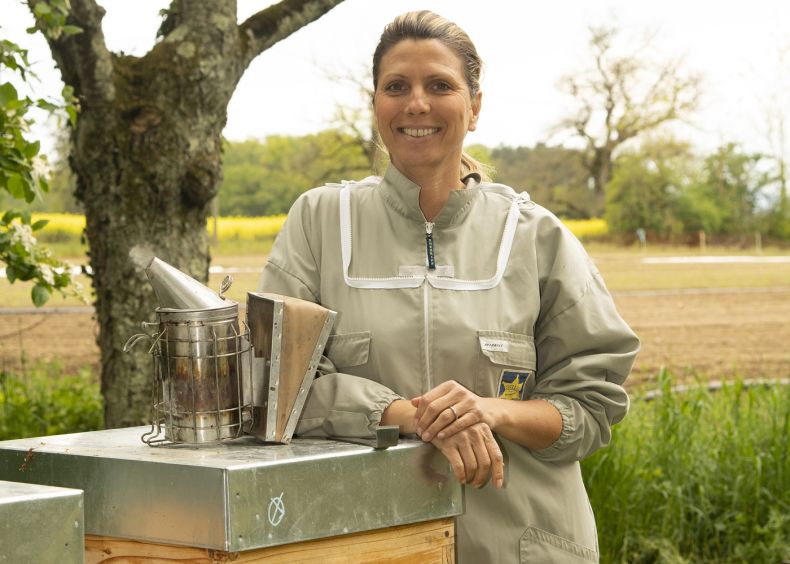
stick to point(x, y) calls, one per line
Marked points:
point(512, 385)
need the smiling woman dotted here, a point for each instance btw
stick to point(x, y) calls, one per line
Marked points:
point(424, 108)
point(426, 79)
point(469, 315)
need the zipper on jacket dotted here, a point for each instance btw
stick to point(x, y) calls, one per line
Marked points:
point(429, 245)
point(426, 303)
point(426, 307)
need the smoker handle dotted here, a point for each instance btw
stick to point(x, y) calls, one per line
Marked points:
point(225, 285)
point(133, 340)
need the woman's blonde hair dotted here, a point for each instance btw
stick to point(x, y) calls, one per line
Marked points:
point(425, 24)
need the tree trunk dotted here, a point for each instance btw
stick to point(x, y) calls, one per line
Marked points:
point(147, 154)
point(600, 168)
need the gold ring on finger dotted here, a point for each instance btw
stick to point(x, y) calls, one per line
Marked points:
point(451, 408)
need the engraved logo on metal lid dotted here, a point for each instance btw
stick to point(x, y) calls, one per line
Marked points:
point(276, 510)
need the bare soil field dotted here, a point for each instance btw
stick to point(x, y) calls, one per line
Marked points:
point(712, 333)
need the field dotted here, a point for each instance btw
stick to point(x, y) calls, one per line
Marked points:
point(718, 317)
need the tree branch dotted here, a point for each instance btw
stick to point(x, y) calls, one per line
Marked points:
point(83, 59)
point(265, 28)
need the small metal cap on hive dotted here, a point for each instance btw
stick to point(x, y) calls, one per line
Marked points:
point(288, 336)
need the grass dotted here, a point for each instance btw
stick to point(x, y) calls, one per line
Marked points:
point(44, 401)
point(696, 477)
point(624, 270)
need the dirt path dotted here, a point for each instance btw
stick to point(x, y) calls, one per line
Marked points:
point(714, 333)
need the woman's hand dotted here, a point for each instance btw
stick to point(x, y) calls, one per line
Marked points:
point(533, 423)
point(473, 454)
point(446, 410)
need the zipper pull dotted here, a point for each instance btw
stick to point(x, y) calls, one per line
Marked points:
point(429, 245)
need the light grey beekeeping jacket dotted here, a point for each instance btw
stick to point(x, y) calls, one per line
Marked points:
point(513, 292)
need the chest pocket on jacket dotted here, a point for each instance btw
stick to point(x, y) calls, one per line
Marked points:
point(505, 365)
point(347, 350)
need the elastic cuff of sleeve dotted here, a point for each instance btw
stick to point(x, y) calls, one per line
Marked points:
point(566, 412)
point(379, 405)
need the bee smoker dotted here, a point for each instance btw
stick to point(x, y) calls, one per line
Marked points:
point(213, 380)
point(200, 353)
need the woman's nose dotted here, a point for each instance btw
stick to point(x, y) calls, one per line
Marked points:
point(418, 102)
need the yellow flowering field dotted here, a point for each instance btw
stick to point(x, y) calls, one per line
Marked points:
point(587, 228)
point(252, 228)
point(69, 224)
point(247, 228)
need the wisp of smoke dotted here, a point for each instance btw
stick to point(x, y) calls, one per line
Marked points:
point(141, 255)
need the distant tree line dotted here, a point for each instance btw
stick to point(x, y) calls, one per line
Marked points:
point(673, 193)
point(661, 186)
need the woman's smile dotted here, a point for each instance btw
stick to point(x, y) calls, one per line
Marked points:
point(418, 131)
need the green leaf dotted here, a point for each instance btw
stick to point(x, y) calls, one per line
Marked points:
point(10, 273)
point(71, 29)
point(32, 149)
point(45, 105)
point(42, 8)
point(40, 224)
point(72, 113)
point(7, 94)
point(40, 294)
point(16, 187)
point(9, 216)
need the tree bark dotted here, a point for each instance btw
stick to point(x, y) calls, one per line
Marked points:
point(147, 156)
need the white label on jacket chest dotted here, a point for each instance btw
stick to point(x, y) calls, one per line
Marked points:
point(494, 345)
point(442, 271)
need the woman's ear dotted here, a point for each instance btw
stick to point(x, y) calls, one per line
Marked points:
point(476, 104)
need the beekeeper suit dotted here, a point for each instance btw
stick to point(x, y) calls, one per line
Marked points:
point(501, 298)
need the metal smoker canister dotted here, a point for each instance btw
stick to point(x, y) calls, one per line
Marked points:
point(199, 352)
point(199, 359)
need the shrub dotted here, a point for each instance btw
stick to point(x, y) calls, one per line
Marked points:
point(46, 402)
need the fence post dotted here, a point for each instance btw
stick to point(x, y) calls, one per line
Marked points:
point(702, 242)
point(641, 234)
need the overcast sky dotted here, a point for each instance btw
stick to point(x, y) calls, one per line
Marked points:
point(737, 45)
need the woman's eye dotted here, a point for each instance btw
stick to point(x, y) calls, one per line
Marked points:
point(441, 86)
point(394, 87)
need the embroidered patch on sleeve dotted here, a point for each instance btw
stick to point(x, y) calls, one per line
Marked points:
point(512, 385)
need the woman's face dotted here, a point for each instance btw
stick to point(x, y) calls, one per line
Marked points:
point(423, 106)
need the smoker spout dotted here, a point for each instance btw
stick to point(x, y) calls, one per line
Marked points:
point(177, 290)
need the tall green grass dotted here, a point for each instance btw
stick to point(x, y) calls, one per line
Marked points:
point(696, 476)
point(44, 401)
